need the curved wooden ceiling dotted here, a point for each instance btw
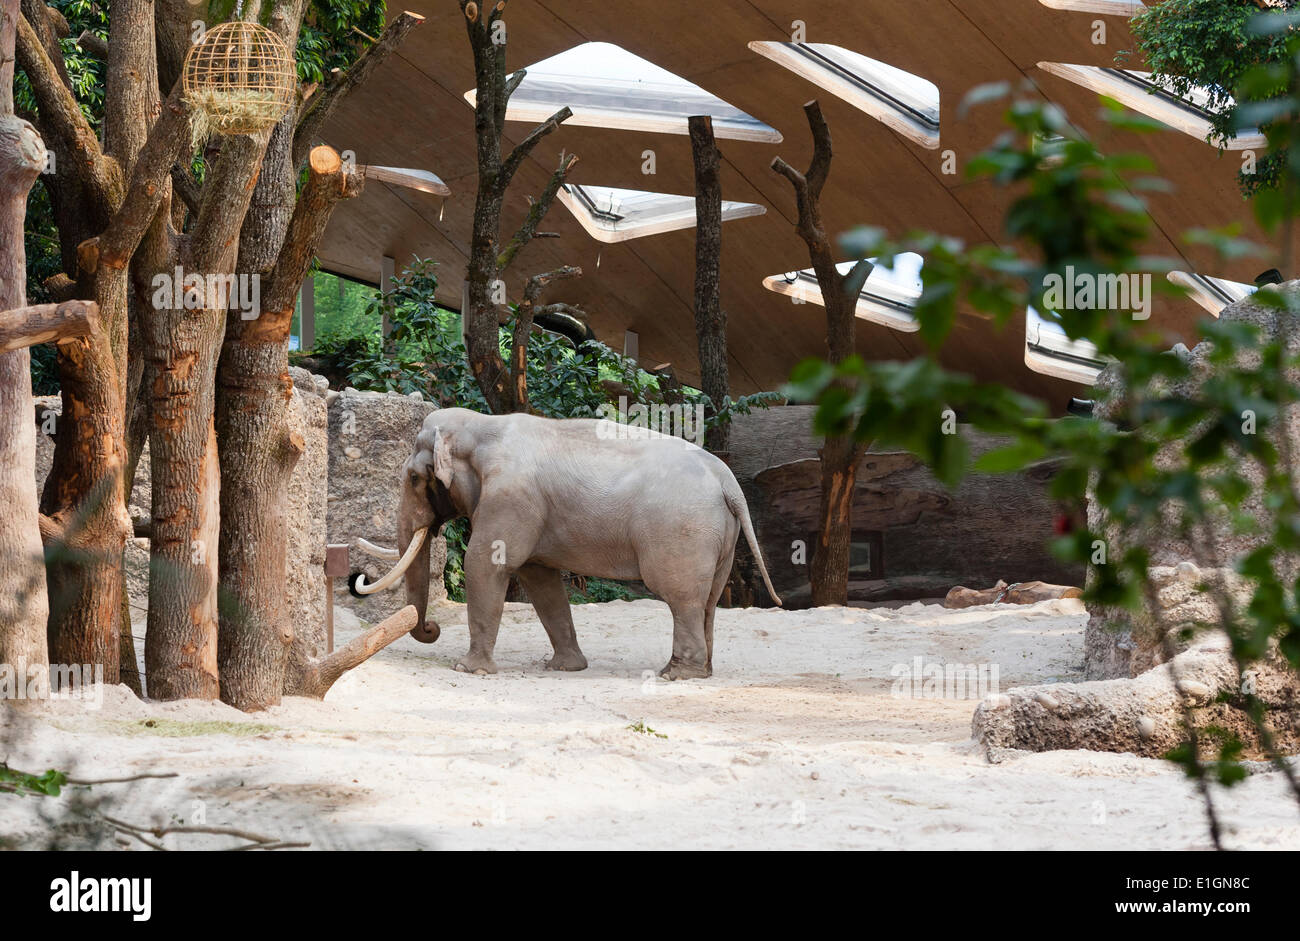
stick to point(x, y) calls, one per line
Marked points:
point(411, 113)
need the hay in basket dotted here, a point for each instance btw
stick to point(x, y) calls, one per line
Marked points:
point(240, 79)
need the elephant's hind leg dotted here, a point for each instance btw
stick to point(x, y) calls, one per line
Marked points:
point(546, 591)
point(690, 659)
point(719, 584)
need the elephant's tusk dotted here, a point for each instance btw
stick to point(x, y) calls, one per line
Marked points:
point(379, 552)
point(360, 586)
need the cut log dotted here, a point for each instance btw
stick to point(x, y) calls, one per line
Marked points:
point(1002, 593)
point(323, 673)
point(45, 323)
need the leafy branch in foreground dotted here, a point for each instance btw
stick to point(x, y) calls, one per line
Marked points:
point(1184, 449)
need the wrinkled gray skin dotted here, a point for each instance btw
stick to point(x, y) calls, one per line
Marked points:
point(545, 496)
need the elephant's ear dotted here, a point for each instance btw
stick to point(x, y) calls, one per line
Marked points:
point(442, 465)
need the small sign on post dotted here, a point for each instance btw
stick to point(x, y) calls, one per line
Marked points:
point(336, 566)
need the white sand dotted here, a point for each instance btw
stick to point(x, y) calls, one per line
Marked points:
point(795, 742)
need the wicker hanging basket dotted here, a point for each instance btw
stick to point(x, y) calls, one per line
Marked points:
point(240, 79)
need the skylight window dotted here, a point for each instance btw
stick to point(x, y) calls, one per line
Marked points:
point(607, 86)
point(1112, 7)
point(1190, 113)
point(1213, 294)
point(1049, 351)
point(887, 297)
point(616, 215)
point(900, 100)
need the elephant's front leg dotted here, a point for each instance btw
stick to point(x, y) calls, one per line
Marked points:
point(546, 591)
point(486, 579)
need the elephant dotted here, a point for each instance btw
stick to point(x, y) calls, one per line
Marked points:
point(586, 496)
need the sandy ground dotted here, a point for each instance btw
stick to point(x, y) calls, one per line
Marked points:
point(798, 741)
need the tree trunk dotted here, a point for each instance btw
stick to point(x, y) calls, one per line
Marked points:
point(829, 573)
point(830, 561)
point(710, 318)
point(487, 260)
point(23, 599)
point(261, 443)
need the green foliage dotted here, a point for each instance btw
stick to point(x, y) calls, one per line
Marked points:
point(641, 728)
point(20, 782)
point(334, 33)
point(598, 590)
point(1216, 45)
point(426, 354)
point(1174, 450)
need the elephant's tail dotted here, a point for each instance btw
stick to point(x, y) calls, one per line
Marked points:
point(735, 498)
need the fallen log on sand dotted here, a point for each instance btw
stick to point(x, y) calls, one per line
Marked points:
point(1002, 593)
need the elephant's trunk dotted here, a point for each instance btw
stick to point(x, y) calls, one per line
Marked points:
point(426, 630)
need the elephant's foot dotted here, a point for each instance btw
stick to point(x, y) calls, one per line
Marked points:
point(569, 661)
point(685, 670)
point(477, 663)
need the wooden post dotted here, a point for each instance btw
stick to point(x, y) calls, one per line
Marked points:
point(307, 314)
point(336, 566)
point(710, 318)
point(631, 345)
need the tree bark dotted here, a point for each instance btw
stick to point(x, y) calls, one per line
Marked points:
point(260, 446)
point(487, 261)
point(182, 347)
point(315, 681)
point(523, 332)
point(710, 318)
point(86, 490)
point(23, 599)
point(839, 455)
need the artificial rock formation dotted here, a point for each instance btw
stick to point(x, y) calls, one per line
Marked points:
point(1119, 642)
point(1149, 669)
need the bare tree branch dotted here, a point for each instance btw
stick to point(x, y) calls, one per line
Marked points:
point(524, 326)
point(317, 111)
point(93, 45)
point(536, 212)
point(511, 164)
point(331, 180)
point(42, 20)
point(166, 141)
point(61, 122)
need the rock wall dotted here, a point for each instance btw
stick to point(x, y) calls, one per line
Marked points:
point(993, 526)
point(308, 491)
point(1121, 643)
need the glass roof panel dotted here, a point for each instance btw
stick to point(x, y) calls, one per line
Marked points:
point(1189, 113)
point(906, 103)
point(887, 297)
point(610, 214)
point(607, 86)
